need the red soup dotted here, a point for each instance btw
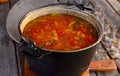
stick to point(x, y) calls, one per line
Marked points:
point(61, 32)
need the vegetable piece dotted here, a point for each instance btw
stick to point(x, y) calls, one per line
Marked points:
point(49, 43)
point(73, 25)
point(89, 38)
point(47, 28)
point(70, 26)
point(55, 36)
point(35, 30)
point(82, 29)
point(60, 31)
point(38, 41)
point(74, 42)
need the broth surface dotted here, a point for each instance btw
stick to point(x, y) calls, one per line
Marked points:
point(61, 32)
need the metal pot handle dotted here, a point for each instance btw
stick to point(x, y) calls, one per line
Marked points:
point(80, 6)
point(29, 49)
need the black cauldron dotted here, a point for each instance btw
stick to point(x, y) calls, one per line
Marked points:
point(51, 63)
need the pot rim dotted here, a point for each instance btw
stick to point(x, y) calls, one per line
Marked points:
point(100, 35)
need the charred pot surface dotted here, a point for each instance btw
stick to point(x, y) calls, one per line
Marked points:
point(62, 64)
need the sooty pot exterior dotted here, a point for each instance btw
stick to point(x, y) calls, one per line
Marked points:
point(62, 64)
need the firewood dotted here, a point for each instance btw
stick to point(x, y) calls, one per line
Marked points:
point(103, 65)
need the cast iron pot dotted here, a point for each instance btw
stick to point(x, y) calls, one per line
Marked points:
point(47, 62)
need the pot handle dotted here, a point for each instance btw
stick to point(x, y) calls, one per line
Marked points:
point(29, 49)
point(80, 6)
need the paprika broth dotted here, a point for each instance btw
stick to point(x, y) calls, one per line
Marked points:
point(61, 32)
